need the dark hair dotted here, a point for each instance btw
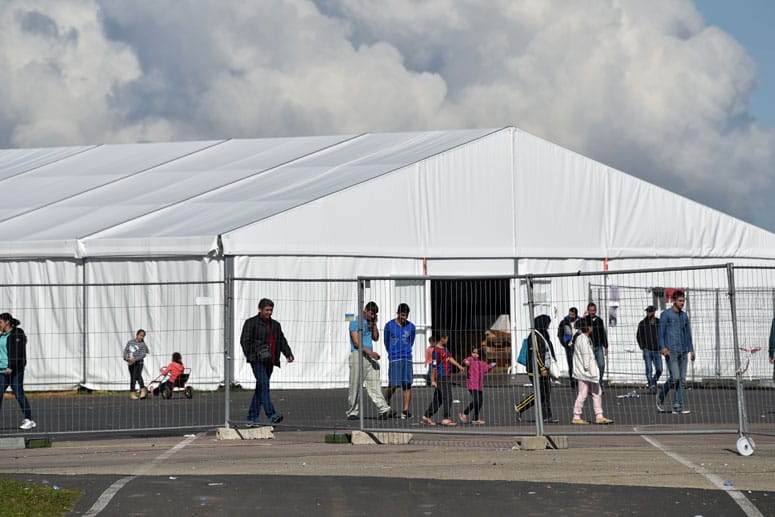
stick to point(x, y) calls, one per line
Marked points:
point(371, 306)
point(678, 294)
point(138, 332)
point(265, 302)
point(582, 326)
point(433, 339)
point(6, 316)
point(591, 304)
point(573, 309)
point(177, 358)
point(402, 308)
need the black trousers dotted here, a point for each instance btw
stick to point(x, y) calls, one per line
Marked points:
point(442, 396)
point(546, 401)
point(476, 403)
point(136, 375)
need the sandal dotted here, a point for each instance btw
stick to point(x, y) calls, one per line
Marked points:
point(478, 422)
point(448, 422)
point(427, 421)
point(463, 418)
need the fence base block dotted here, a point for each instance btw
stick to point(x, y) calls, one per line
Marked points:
point(252, 433)
point(380, 438)
point(535, 443)
point(12, 443)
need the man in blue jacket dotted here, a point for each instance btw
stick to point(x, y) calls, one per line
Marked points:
point(675, 341)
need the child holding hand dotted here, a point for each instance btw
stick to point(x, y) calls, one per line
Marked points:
point(476, 369)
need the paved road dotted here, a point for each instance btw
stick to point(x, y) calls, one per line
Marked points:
point(296, 473)
point(712, 408)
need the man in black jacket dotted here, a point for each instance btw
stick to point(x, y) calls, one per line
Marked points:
point(599, 338)
point(647, 341)
point(262, 342)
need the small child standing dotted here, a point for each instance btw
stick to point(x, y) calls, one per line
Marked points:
point(134, 354)
point(476, 368)
point(586, 371)
point(440, 379)
point(172, 371)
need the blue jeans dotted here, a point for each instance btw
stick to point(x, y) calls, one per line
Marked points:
point(262, 374)
point(16, 381)
point(676, 363)
point(653, 357)
point(600, 360)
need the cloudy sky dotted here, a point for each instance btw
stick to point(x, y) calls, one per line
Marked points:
point(657, 89)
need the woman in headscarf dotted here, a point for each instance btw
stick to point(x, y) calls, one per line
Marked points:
point(544, 352)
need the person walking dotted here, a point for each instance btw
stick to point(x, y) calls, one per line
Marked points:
point(364, 358)
point(399, 340)
point(262, 342)
point(565, 331)
point(585, 370)
point(13, 361)
point(475, 372)
point(134, 355)
point(539, 339)
point(440, 380)
point(648, 341)
point(675, 341)
point(599, 339)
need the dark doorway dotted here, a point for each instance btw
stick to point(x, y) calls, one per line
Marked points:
point(465, 310)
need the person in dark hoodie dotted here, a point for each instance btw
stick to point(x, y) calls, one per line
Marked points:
point(565, 331)
point(544, 351)
point(13, 360)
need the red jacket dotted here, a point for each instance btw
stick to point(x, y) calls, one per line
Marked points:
point(174, 369)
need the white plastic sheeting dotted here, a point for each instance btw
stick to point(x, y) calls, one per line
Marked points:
point(473, 202)
point(455, 194)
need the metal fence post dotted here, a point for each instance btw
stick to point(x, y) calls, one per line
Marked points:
point(741, 412)
point(358, 315)
point(536, 374)
point(228, 334)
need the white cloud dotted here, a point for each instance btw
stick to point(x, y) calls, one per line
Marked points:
point(645, 87)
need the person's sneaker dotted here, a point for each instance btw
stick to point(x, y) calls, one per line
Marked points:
point(579, 421)
point(478, 422)
point(143, 393)
point(390, 413)
point(681, 411)
point(660, 404)
point(604, 421)
point(353, 417)
point(551, 420)
point(405, 415)
point(28, 424)
point(276, 418)
point(133, 396)
point(254, 422)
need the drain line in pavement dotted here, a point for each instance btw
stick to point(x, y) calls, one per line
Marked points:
point(736, 495)
point(112, 490)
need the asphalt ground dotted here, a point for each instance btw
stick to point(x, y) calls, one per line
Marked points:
point(297, 473)
point(136, 465)
point(713, 408)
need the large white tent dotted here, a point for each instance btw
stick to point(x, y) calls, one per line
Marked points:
point(468, 203)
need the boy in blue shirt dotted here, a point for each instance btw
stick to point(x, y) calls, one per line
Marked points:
point(399, 340)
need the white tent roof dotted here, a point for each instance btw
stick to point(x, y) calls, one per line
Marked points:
point(472, 193)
